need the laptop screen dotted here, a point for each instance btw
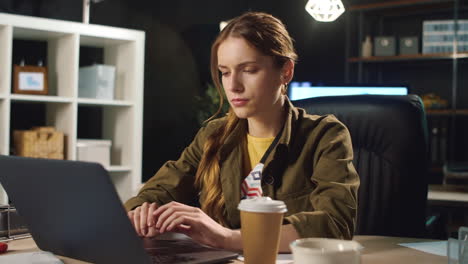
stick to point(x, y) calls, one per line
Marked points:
point(303, 90)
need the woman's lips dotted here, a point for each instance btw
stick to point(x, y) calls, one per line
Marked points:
point(237, 102)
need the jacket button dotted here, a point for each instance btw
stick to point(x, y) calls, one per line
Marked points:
point(268, 180)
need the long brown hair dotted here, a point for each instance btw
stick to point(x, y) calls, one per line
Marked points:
point(270, 37)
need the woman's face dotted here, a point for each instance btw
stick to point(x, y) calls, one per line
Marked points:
point(251, 81)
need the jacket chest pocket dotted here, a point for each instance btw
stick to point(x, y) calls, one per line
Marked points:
point(294, 184)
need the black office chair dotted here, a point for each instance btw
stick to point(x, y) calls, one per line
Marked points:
point(389, 135)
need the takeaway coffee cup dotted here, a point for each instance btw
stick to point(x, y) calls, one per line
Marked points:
point(261, 220)
point(325, 251)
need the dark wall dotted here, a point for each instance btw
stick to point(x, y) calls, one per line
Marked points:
point(178, 38)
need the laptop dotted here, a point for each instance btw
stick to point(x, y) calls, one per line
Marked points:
point(72, 209)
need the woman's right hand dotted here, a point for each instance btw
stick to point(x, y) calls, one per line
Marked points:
point(143, 220)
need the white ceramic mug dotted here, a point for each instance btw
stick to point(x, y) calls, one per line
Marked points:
point(325, 251)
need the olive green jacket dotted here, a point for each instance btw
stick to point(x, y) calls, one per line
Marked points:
point(310, 170)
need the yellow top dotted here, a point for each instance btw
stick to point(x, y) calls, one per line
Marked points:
point(256, 147)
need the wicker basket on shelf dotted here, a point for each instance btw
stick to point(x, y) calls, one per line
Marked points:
point(40, 142)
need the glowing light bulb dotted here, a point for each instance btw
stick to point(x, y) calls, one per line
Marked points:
point(325, 10)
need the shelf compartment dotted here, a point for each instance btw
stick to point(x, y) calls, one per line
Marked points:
point(60, 57)
point(111, 123)
point(101, 102)
point(413, 57)
point(40, 98)
point(59, 115)
point(117, 125)
point(128, 59)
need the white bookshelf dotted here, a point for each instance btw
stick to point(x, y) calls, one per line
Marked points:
point(122, 117)
point(97, 102)
point(40, 98)
point(119, 169)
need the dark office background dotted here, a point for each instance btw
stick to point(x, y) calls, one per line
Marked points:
point(178, 38)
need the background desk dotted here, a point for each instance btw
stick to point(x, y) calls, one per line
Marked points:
point(385, 250)
point(377, 250)
point(448, 194)
point(447, 208)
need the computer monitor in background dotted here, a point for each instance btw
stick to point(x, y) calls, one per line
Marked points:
point(303, 90)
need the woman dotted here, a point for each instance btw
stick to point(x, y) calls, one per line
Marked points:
point(309, 166)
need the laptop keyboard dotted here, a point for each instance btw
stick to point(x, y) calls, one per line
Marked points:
point(182, 251)
point(163, 259)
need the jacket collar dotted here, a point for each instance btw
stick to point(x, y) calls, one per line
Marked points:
point(240, 131)
point(288, 129)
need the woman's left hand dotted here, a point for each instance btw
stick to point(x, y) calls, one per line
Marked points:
point(193, 222)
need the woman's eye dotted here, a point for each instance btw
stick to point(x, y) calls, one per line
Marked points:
point(224, 73)
point(250, 70)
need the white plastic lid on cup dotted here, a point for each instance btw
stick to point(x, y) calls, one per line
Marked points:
point(262, 205)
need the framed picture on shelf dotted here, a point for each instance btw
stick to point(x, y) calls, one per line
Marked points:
point(30, 80)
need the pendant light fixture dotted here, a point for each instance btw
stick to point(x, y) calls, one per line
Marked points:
point(325, 10)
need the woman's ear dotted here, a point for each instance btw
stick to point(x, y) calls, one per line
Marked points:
point(287, 72)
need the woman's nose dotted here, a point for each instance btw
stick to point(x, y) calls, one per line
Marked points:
point(235, 84)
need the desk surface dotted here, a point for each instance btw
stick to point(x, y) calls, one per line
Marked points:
point(377, 249)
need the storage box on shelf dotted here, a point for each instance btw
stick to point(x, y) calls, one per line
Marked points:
point(94, 150)
point(409, 45)
point(122, 114)
point(97, 81)
point(384, 46)
point(439, 36)
point(39, 142)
